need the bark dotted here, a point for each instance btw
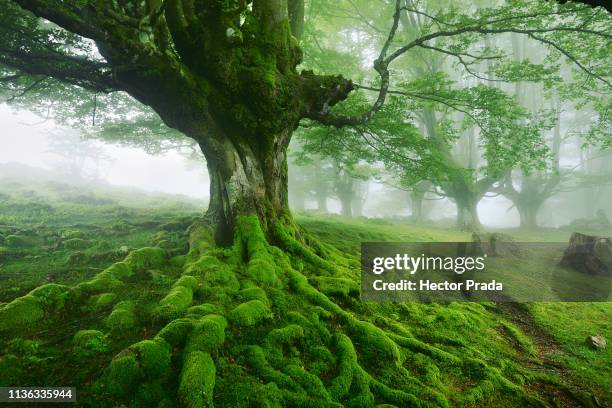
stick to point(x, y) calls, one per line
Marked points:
point(528, 214)
point(467, 212)
point(248, 182)
point(347, 207)
point(321, 194)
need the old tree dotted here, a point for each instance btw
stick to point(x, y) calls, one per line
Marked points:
point(277, 306)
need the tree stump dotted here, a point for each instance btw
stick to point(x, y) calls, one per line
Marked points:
point(589, 254)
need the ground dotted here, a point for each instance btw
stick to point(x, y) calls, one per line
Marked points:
point(124, 296)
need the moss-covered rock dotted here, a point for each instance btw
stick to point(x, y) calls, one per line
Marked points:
point(249, 313)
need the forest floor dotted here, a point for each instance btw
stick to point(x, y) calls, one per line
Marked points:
point(63, 321)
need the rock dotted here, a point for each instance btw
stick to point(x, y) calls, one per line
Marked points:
point(597, 342)
point(589, 254)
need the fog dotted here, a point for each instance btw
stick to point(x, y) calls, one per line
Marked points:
point(27, 140)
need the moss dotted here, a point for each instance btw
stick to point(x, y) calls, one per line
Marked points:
point(24, 313)
point(153, 357)
point(110, 278)
point(4, 253)
point(176, 332)
point(262, 271)
point(203, 309)
point(187, 281)
point(146, 258)
point(88, 343)
point(76, 243)
point(197, 381)
point(214, 273)
point(311, 384)
point(51, 295)
point(21, 313)
point(336, 286)
point(178, 261)
point(175, 303)
point(375, 346)
point(208, 334)
point(102, 301)
point(249, 313)
point(254, 293)
point(150, 394)
point(256, 358)
point(122, 318)
point(16, 241)
point(122, 375)
point(347, 365)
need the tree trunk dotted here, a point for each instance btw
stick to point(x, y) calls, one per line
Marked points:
point(528, 215)
point(321, 195)
point(467, 214)
point(346, 203)
point(416, 200)
point(246, 182)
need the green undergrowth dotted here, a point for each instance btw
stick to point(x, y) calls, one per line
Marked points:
point(278, 322)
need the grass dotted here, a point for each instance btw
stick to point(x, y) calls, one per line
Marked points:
point(144, 315)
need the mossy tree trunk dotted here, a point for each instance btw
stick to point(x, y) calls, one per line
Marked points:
point(223, 73)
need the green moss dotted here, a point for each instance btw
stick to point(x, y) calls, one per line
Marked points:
point(110, 278)
point(347, 365)
point(16, 241)
point(254, 293)
point(122, 375)
point(336, 286)
point(203, 310)
point(187, 281)
point(197, 381)
point(76, 243)
point(102, 301)
point(214, 274)
point(176, 332)
point(178, 260)
point(310, 383)
point(149, 394)
point(262, 271)
point(249, 313)
point(208, 334)
point(21, 313)
point(375, 347)
point(146, 258)
point(24, 313)
point(153, 357)
point(122, 318)
point(88, 343)
point(175, 303)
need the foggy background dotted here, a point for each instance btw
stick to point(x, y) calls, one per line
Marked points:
point(27, 139)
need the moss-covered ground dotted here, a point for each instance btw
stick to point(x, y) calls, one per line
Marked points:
point(130, 302)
